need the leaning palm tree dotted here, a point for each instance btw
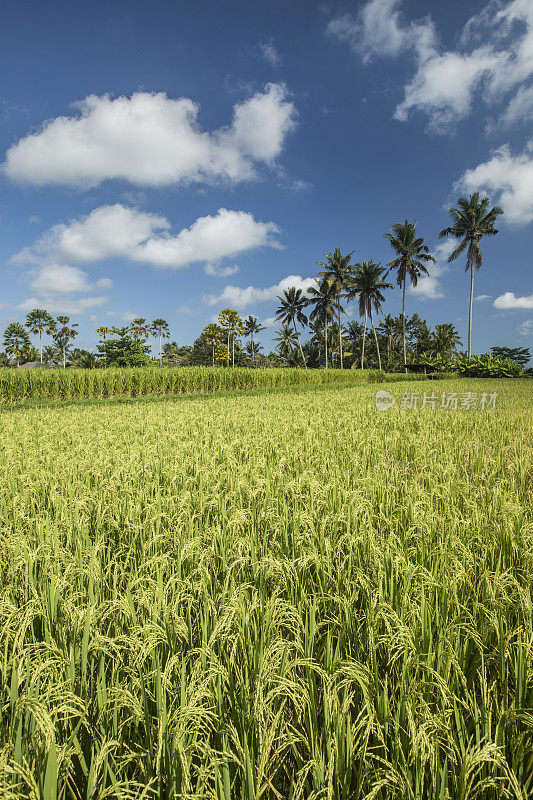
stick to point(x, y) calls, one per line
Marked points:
point(411, 252)
point(290, 310)
point(288, 339)
point(337, 271)
point(470, 223)
point(325, 305)
point(251, 326)
point(40, 321)
point(366, 286)
point(159, 328)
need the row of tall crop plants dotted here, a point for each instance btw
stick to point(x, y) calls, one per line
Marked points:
point(18, 385)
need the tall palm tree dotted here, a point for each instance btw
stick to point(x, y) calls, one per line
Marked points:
point(337, 270)
point(287, 339)
point(290, 310)
point(367, 286)
point(471, 222)
point(411, 252)
point(102, 332)
point(40, 321)
point(213, 334)
point(63, 336)
point(251, 326)
point(325, 305)
point(140, 329)
point(230, 319)
point(16, 340)
point(387, 328)
point(159, 327)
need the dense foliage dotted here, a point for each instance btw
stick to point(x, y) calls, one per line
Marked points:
point(291, 596)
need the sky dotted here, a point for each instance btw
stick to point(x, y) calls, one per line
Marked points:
point(175, 157)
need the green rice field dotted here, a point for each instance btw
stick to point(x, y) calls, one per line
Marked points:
point(290, 596)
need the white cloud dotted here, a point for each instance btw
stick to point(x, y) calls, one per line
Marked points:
point(220, 272)
point(482, 297)
point(269, 322)
point(121, 232)
point(510, 178)
point(494, 58)
point(152, 140)
point(526, 328)
point(269, 53)
point(128, 316)
point(243, 297)
point(60, 305)
point(56, 279)
point(378, 30)
point(508, 302)
point(429, 287)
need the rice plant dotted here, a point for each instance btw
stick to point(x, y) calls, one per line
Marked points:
point(287, 596)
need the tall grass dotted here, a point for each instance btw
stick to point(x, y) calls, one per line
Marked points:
point(58, 384)
point(268, 597)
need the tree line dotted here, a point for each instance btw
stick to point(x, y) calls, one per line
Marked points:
point(394, 342)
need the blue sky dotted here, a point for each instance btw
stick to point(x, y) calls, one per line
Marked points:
point(174, 158)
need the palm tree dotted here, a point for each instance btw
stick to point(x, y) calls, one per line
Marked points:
point(139, 328)
point(470, 223)
point(212, 333)
point(102, 332)
point(411, 252)
point(337, 271)
point(445, 340)
point(367, 285)
point(387, 328)
point(323, 299)
point(64, 335)
point(287, 339)
point(253, 349)
point(290, 310)
point(251, 326)
point(230, 319)
point(39, 321)
point(159, 327)
point(16, 340)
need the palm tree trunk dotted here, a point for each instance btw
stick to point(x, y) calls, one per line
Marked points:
point(299, 343)
point(64, 360)
point(160, 355)
point(363, 350)
point(376, 338)
point(470, 306)
point(403, 325)
point(227, 355)
point(213, 351)
point(41, 345)
point(253, 351)
point(340, 332)
point(326, 341)
point(233, 349)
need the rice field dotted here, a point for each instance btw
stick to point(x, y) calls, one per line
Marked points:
point(287, 596)
point(18, 385)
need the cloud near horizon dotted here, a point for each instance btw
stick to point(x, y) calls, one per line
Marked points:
point(243, 297)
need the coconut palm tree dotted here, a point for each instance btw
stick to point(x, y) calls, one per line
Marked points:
point(251, 326)
point(387, 328)
point(63, 336)
point(411, 252)
point(337, 271)
point(290, 310)
point(40, 321)
point(470, 223)
point(287, 339)
point(367, 286)
point(322, 298)
point(159, 327)
point(16, 340)
point(230, 319)
point(445, 340)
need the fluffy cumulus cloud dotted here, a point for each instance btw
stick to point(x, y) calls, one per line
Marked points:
point(509, 179)
point(121, 232)
point(509, 302)
point(56, 279)
point(429, 287)
point(242, 297)
point(63, 305)
point(494, 57)
point(150, 139)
